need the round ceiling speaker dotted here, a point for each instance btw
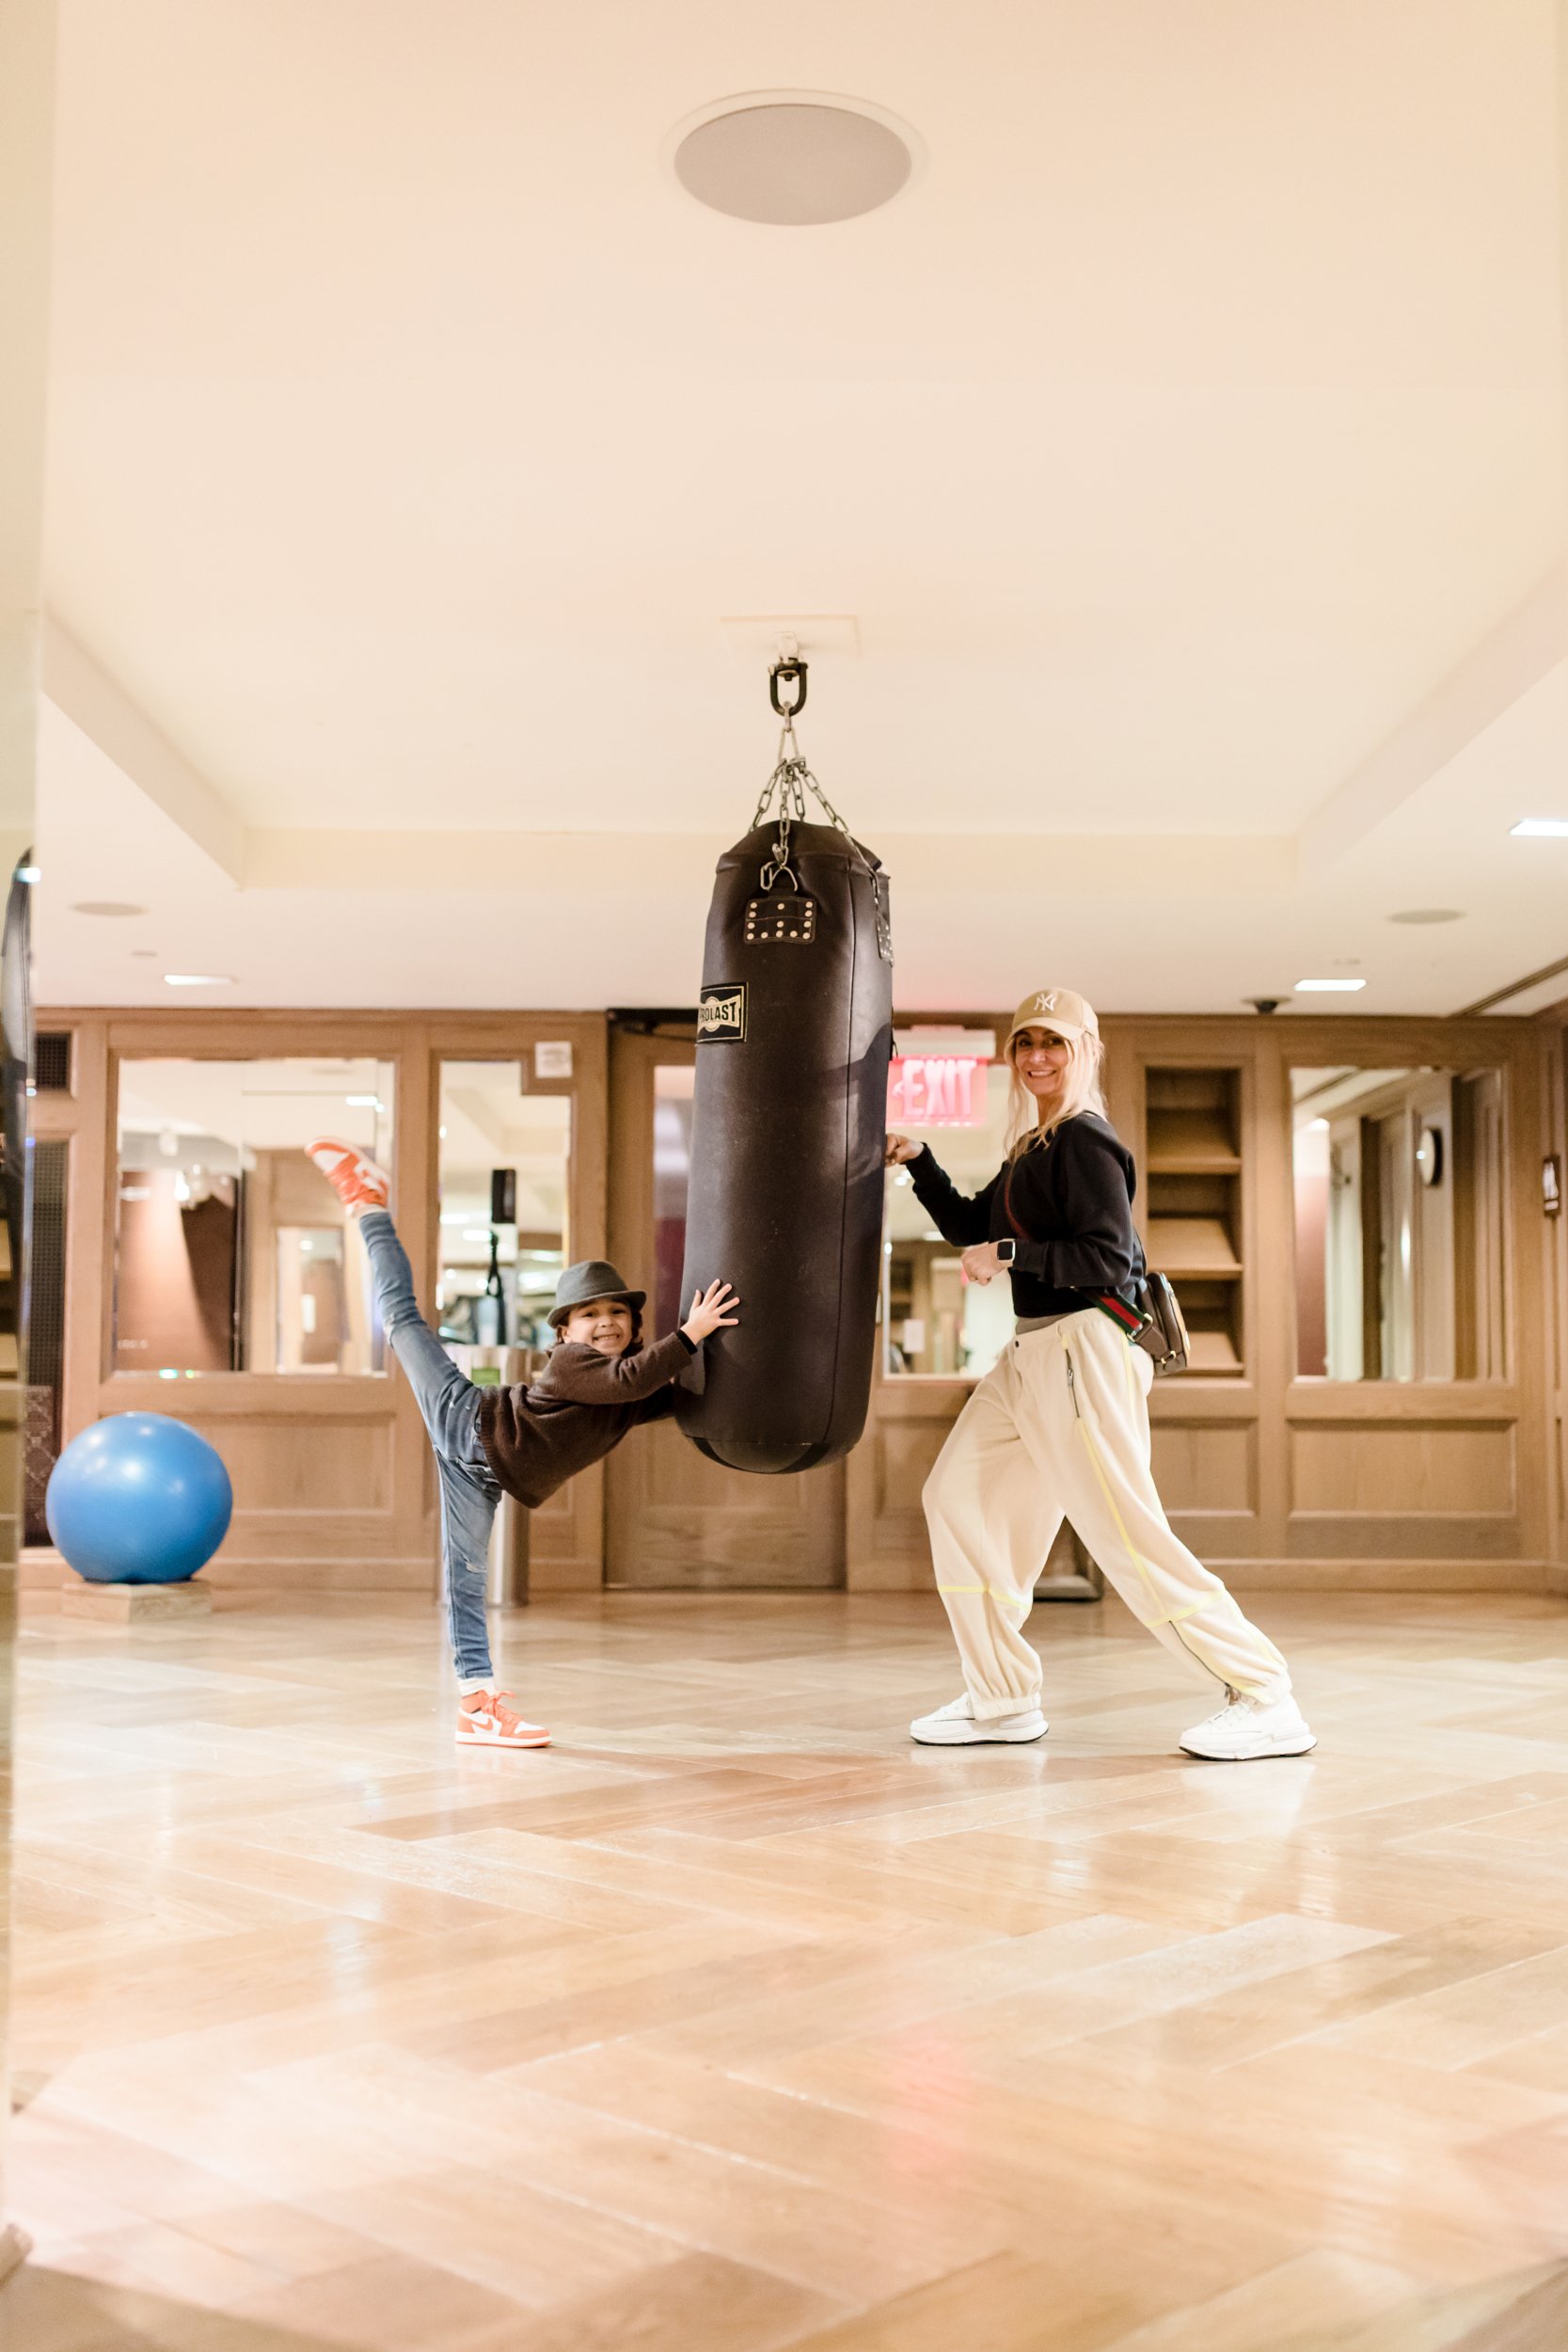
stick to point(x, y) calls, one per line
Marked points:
point(794, 159)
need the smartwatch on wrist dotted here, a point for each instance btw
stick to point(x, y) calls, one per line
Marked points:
point(1007, 1251)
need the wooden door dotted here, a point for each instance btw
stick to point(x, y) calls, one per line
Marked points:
point(674, 1517)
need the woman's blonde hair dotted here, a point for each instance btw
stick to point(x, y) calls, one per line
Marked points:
point(1082, 1089)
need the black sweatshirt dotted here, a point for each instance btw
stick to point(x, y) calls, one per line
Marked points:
point(579, 1410)
point(1068, 1203)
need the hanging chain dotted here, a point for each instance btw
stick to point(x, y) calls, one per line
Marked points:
point(789, 783)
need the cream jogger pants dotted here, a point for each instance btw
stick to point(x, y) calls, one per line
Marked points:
point(1060, 1430)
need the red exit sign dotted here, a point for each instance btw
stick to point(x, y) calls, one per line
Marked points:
point(937, 1090)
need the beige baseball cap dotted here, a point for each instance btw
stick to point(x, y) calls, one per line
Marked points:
point(1058, 1009)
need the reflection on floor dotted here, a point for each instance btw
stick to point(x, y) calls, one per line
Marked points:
point(734, 2022)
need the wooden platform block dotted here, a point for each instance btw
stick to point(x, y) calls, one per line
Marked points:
point(134, 1604)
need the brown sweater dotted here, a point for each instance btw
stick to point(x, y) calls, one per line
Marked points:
point(578, 1410)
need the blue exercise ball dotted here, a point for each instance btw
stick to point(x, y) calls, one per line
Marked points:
point(138, 1499)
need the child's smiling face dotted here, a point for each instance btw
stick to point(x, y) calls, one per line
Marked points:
point(604, 1323)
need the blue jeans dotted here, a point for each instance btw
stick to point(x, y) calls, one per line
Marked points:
point(449, 1405)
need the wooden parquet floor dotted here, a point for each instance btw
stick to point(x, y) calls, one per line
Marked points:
point(734, 2022)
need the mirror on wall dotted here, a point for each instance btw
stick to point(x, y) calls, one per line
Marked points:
point(675, 1090)
point(945, 1091)
point(1401, 1235)
point(232, 1252)
point(504, 1157)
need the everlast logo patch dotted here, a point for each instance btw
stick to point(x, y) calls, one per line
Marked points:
point(721, 1014)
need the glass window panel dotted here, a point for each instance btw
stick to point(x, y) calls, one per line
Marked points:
point(498, 1273)
point(1400, 1230)
point(232, 1252)
point(314, 1323)
point(933, 1321)
point(674, 1085)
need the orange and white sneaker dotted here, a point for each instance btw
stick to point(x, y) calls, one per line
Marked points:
point(356, 1179)
point(483, 1722)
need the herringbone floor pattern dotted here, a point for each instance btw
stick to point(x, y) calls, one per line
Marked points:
point(734, 2022)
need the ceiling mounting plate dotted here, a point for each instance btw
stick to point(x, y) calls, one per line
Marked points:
point(754, 637)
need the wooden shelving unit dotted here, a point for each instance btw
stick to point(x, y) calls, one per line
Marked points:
point(1193, 1163)
point(1195, 1246)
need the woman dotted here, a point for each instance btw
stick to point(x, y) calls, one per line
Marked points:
point(1060, 1427)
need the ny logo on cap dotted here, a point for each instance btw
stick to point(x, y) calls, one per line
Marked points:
point(1046, 1000)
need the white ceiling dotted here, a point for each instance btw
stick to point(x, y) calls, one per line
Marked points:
point(1176, 439)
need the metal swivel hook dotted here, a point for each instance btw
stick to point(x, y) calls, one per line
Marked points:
point(792, 671)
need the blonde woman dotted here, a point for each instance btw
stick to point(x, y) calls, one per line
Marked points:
point(1060, 1427)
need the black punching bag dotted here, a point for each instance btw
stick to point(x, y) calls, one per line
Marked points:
point(795, 1030)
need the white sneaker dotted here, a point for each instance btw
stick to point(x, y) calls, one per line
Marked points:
point(1245, 1728)
point(955, 1726)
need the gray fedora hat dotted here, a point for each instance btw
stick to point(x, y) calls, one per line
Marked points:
point(596, 1278)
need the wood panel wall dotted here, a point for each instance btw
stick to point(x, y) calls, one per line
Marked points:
point(1279, 1481)
point(334, 1488)
point(1550, 1141)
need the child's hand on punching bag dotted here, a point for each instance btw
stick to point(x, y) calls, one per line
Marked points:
point(710, 1312)
point(901, 1150)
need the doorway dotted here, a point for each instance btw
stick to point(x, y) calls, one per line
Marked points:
point(673, 1517)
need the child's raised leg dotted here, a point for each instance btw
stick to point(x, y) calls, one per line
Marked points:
point(449, 1405)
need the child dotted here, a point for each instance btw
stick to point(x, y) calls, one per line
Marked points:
point(600, 1381)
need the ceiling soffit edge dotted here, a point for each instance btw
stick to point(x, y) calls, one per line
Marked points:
point(79, 688)
point(308, 859)
point(1502, 670)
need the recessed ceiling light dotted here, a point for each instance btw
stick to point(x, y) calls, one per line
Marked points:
point(794, 159)
point(364, 1102)
point(199, 980)
point(1327, 988)
point(112, 909)
point(1540, 829)
point(1429, 914)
